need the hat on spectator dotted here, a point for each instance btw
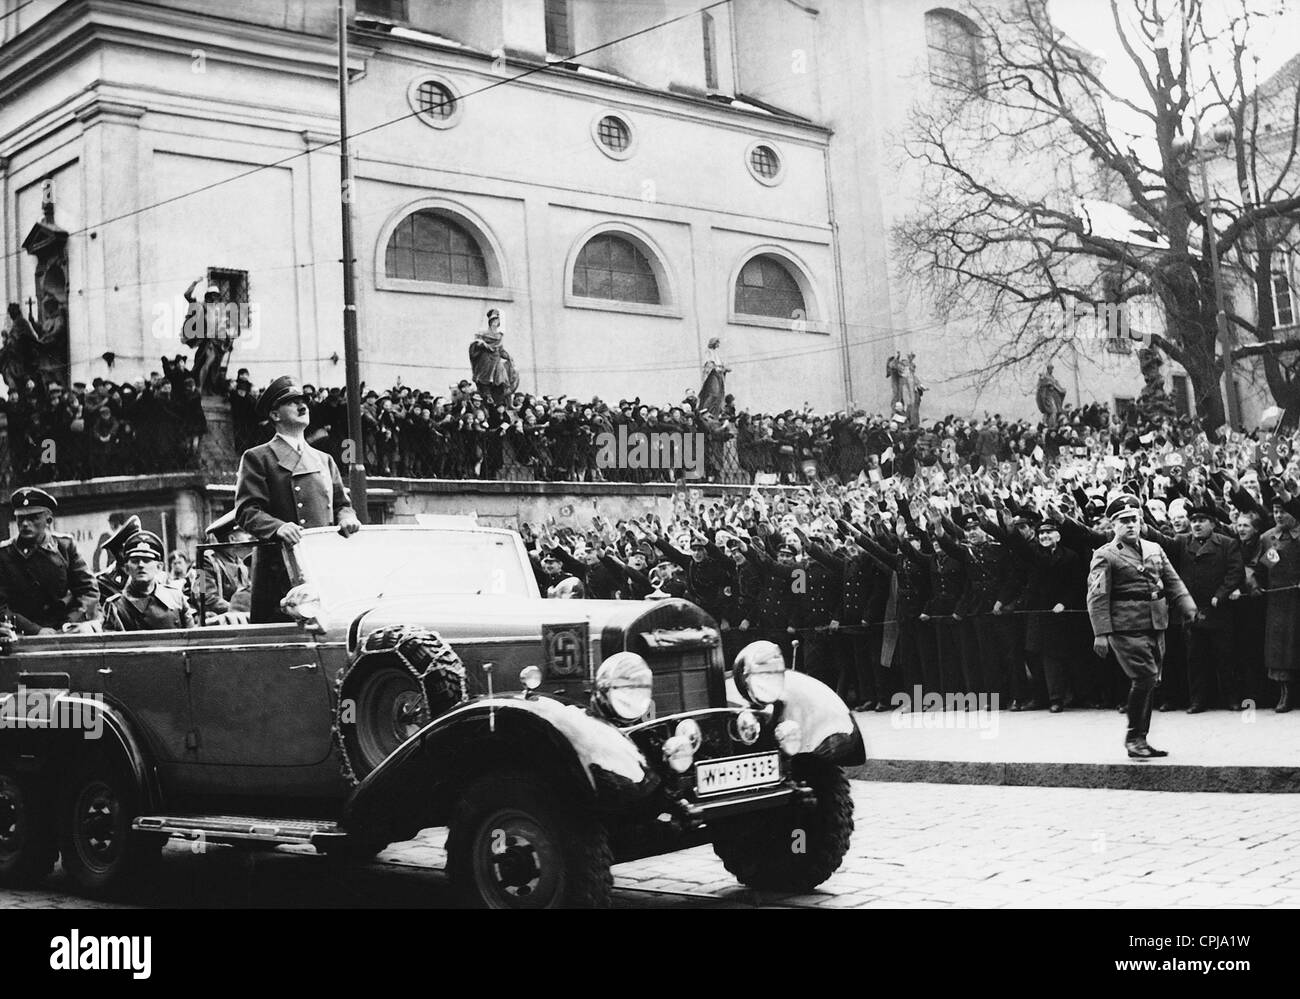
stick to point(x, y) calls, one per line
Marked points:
point(128, 530)
point(280, 391)
point(1122, 503)
point(698, 540)
point(143, 543)
point(1048, 524)
point(969, 520)
point(1203, 511)
point(789, 543)
point(29, 499)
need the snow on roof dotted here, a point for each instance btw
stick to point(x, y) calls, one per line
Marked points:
point(427, 37)
point(600, 74)
point(1107, 220)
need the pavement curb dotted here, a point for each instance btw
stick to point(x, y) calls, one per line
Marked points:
point(1135, 776)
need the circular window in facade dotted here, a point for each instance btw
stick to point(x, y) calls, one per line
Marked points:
point(764, 163)
point(613, 135)
point(434, 102)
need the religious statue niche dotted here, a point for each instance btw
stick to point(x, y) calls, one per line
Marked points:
point(48, 243)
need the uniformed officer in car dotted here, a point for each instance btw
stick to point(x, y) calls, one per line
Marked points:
point(149, 602)
point(286, 486)
point(1130, 582)
point(113, 579)
point(45, 584)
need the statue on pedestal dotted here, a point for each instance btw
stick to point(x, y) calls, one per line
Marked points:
point(1050, 397)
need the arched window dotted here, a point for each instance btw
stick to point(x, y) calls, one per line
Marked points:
point(766, 287)
point(954, 50)
point(429, 246)
point(613, 268)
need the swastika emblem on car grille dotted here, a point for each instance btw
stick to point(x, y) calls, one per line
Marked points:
point(566, 648)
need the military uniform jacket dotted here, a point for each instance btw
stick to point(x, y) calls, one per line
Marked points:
point(163, 607)
point(986, 566)
point(1128, 588)
point(49, 586)
point(777, 603)
point(277, 485)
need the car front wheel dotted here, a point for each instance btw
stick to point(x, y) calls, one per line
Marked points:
point(515, 843)
point(27, 847)
point(102, 854)
point(796, 849)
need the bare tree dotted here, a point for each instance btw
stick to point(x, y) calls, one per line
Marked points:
point(1014, 154)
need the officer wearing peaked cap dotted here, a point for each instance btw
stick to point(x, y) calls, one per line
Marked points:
point(1129, 583)
point(147, 603)
point(286, 486)
point(44, 582)
point(113, 579)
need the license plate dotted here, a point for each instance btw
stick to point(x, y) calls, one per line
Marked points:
point(742, 771)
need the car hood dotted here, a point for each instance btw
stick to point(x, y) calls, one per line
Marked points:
point(473, 616)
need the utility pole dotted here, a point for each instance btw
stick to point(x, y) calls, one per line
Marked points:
point(351, 360)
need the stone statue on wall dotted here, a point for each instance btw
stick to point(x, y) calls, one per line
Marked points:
point(1050, 397)
point(713, 392)
point(901, 372)
point(48, 243)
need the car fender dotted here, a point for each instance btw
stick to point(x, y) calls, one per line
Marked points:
point(828, 728)
point(36, 726)
point(590, 758)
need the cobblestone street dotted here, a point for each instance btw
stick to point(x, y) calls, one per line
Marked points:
point(916, 845)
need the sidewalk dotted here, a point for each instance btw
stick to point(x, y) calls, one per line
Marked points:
point(1251, 751)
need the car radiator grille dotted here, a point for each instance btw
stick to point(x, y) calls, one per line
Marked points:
point(681, 680)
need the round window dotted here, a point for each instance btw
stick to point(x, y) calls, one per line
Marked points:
point(434, 102)
point(764, 163)
point(613, 135)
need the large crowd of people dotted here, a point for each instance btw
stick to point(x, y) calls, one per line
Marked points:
point(81, 431)
point(970, 580)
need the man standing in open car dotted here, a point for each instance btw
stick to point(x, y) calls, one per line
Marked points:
point(286, 486)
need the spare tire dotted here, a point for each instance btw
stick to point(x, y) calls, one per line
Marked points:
point(400, 679)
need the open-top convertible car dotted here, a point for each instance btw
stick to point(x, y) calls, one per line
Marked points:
point(423, 682)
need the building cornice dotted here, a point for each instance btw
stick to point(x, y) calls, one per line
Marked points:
point(605, 88)
point(98, 109)
point(72, 29)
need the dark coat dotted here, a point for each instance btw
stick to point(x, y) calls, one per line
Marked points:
point(1211, 570)
point(276, 486)
point(48, 587)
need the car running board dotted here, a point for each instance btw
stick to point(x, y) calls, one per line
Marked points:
point(244, 828)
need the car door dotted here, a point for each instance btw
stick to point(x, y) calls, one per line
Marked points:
point(259, 696)
point(144, 673)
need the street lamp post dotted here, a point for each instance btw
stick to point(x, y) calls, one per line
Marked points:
point(351, 359)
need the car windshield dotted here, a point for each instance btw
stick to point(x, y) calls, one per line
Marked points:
point(391, 563)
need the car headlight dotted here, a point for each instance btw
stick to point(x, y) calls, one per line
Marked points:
point(789, 736)
point(689, 729)
point(759, 673)
point(625, 686)
point(678, 753)
point(748, 727)
point(530, 677)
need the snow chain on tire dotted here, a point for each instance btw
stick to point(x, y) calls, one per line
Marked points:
point(434, 664)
